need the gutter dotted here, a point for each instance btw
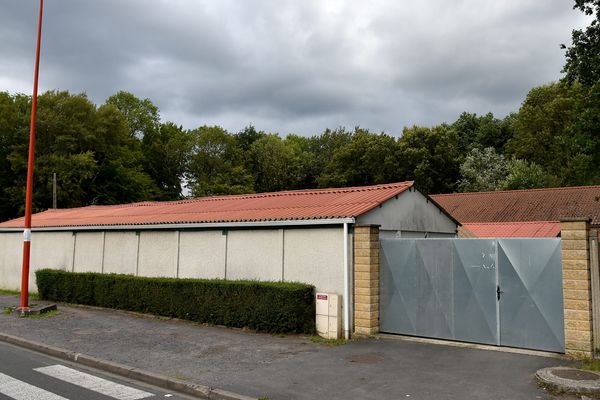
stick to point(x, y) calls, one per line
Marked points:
point(196, 225)
point(346, 286)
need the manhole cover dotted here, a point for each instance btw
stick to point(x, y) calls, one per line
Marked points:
point(367, 358)
point(576, 375)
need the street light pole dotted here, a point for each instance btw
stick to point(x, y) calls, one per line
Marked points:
point(24, 306)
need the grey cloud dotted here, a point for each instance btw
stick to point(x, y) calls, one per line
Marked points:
point(294, 66)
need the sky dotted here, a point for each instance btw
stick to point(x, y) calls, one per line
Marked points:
point(293, 66)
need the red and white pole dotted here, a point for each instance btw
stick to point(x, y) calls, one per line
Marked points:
point(24, 306)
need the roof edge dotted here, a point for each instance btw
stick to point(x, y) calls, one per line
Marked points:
point(519, 190)
point(197, 225)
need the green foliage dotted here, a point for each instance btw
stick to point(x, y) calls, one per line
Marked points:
point(142, 116)
point(557, 129)
point(482, 131)
point(166, 152)
point(367, 159)
point(430, 156)
point(482, 170)
point(277, 164)
point(89, 148)
point(583, 56)
point(216, 164)
point(525, 175)
point(328, 342)
point(247, 136)
point(265, 306)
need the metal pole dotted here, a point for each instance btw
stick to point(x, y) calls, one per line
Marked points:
point(24, 306)
point(54, 202)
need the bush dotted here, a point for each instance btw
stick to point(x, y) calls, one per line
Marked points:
point(265, 306)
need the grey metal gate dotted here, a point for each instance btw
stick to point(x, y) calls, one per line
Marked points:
point(493, 291)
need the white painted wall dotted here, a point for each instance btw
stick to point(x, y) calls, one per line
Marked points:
point(89, 250)
point(120, 252)
point(255, 254)
point(11, 253)
point(202, 254)
point(315, 257)
point(308, 254)
point(48, 250)
point(158, 253)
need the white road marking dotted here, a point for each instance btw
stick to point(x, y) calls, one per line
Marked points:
point(93, 383)
point(20, 390)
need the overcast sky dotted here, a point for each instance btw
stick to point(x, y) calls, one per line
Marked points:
point(293, 66)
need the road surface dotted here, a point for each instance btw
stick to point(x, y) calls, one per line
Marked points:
point(26, 375)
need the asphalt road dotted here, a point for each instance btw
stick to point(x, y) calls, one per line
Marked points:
point(26, 375)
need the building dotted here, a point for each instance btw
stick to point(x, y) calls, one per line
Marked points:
point(305, 236)
point(521, 213)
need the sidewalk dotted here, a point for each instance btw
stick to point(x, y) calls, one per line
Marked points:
point(290, 367)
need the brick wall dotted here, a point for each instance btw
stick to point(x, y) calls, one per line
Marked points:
point(366, 280)
point(577, 287)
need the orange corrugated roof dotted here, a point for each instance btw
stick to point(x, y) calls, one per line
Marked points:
point(288, 205)
point(514, 229)
point(551, 204)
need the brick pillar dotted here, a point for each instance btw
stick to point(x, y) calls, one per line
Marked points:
point(366, 279)
point(577, 294)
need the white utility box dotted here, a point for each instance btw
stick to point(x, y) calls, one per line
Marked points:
point(329, 315)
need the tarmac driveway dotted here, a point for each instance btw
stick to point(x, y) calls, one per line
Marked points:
point(288, 367)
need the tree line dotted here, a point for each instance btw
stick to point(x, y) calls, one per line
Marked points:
point(121, 151)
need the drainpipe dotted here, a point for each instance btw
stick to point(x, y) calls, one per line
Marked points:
point(346, 285)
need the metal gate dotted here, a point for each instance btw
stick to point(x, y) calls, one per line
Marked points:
point(505, 292)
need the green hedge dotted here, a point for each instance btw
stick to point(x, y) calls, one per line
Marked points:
point(264, 306)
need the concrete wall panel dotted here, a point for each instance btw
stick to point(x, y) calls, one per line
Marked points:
point(202, 254)
point(255, 254)
point(48, 250)
point(88, 251)
point(120, 252)
point(11, 254)
point(315, 256)
point(158, 253)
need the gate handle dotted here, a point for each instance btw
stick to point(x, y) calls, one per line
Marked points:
point(498, 291)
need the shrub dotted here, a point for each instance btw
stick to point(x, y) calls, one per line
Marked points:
point(265, 306)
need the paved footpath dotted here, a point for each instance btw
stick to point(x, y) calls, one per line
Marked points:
point(284, 367)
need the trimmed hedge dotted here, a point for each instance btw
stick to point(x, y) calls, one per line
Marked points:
point(265, 306)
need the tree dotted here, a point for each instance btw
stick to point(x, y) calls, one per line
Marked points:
point(557, 129)
point(273, 164)
point(14, 118)
point(302, 173)
point(142, 116)
point(482, 131)
point(247, 136)
point(322, 148)
point(466, 127)
point(482, 170)
point(368, 159)
point(525, 175)
point(583, 56)
point(430, 156)
point(165, 159)
point(216, 164)
point(89, 148)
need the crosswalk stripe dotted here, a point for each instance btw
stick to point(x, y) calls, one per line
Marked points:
point(20, 390)
point(93, 383)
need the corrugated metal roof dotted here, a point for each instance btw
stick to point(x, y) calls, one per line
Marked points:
point(514, 229)
point(278, 206)
point(551, 204)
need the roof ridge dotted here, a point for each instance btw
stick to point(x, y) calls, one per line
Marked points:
point(518, 190)
point(511, 222)
point(297, 192)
